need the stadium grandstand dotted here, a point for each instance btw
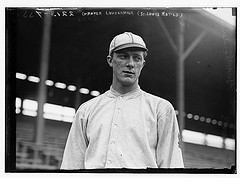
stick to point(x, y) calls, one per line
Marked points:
point(56, 60)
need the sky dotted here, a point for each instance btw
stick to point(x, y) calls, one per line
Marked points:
point(223, 13)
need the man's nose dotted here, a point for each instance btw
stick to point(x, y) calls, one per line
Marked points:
point(130, 62)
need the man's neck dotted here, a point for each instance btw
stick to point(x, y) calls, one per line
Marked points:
point(124, 89)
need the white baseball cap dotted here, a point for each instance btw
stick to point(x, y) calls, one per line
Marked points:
point(126, 40)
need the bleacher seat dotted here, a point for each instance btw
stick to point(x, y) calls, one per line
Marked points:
point(48, 155)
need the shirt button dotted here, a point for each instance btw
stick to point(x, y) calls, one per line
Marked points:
point(112, 142)
point(108, 162)
point(115, 125)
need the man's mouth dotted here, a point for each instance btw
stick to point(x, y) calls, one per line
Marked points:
point(128, 72)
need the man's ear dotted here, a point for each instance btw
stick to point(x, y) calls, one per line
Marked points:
point(144, 62)
point(109, 60)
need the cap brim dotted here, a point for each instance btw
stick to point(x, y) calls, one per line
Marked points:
point(130, 45)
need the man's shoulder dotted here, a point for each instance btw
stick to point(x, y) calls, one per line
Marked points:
point(156, 98)
point(162, 105)
point(92, 102)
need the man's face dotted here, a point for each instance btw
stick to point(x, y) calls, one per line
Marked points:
point(127, 65)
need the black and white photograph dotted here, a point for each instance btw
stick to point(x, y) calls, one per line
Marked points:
point(121, 89)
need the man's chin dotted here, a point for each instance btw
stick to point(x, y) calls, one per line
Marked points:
point(128, 82)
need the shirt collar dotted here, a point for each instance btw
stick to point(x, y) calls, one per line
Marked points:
point(132, 94)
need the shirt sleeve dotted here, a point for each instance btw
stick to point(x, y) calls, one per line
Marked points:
point(168, 153)
point(74, 153)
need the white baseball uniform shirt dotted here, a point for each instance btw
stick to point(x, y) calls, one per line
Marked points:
point(134, 130)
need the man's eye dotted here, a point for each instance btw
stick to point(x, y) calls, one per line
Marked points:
point(123, 56)
point(137, 58)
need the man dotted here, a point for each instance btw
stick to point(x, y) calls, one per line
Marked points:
point(125, 127)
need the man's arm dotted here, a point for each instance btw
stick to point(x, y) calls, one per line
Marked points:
point(74, 153)
point(169, 153)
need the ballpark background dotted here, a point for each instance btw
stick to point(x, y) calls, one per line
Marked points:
point(56, 60)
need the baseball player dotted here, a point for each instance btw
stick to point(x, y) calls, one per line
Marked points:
point(125, 127)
